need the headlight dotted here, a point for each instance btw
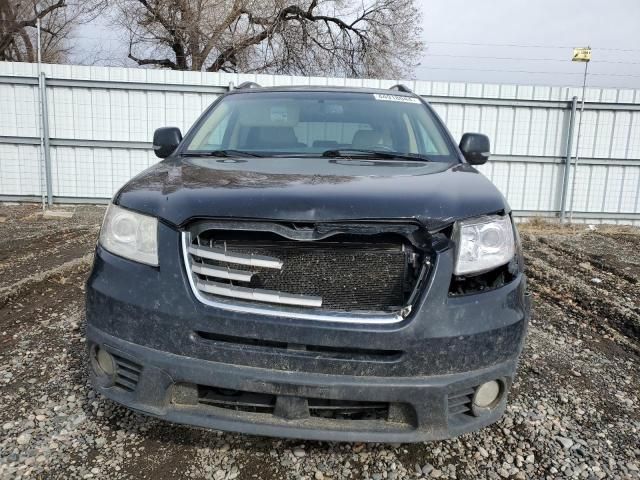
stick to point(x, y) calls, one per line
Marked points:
point(130, 235)
point(483, 243)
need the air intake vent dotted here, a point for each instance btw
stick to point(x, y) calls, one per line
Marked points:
point(127, 373)
point(254, 402)
point(459, 403)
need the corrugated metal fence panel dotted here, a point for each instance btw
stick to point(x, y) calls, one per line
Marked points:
point(90, 108)
point(611, 189)
point(512, 130)
point(110, 114)
point(614, 134)
point(20, 172)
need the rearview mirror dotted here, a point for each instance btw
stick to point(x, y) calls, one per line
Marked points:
point(475, 147)
point(166, 140)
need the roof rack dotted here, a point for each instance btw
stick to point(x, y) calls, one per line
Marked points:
point(401, 88)
point(248, 85)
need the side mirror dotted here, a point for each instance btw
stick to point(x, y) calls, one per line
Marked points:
point(475, 147)
point(165, 141)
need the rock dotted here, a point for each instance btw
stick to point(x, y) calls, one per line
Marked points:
point(566, 443)
point(483, 452)
point(318, 475)
point(79, 419)
point(299, 452)
point(219, 475)
point(23, 438)
point(427, 468)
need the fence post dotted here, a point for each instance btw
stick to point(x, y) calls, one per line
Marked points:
point(567, 162)
point(44, 112)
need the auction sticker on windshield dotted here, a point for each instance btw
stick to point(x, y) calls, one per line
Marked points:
point(395, 98)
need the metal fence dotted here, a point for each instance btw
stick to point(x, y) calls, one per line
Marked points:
point(76, 133)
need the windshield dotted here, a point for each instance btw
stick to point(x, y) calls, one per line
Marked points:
point(313, 123)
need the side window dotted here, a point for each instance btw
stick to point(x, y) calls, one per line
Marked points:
point(211, 134)
point(425, 139)
point(411, 135)
point(430, 139)
point(216, 137)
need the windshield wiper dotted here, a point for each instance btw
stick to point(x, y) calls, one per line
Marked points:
point(220, 153)
point(362, 152)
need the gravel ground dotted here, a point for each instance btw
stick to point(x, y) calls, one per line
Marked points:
point(573, 412)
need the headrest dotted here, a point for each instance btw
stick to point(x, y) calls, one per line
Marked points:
point(272, 137)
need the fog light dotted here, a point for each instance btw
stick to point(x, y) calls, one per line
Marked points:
point(105, 362)
point(487, 395)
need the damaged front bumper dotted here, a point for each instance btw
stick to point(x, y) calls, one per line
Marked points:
point(179, 359)
point(178, 389)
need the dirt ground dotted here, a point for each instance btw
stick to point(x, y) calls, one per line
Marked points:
point(574, 411)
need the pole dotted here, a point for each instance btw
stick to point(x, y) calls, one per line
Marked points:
point(45, 153)
point(575, 165)
point(45, 136)
point(40, 97)
point(567, 162)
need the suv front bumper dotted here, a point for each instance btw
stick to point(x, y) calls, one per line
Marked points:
point(170, 350)
point(428, 398)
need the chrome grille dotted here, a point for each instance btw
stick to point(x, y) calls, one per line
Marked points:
point(371, 277)
point(199, 256)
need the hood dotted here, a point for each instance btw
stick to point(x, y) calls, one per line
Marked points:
point(311, 190)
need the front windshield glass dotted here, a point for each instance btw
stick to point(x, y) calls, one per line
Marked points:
point(311, 123)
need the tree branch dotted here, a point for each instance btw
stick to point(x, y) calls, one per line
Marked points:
point(161, 62)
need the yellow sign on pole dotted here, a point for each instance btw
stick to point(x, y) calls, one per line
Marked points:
point(581, 54)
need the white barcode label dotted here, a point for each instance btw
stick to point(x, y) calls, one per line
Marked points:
point(386, 97)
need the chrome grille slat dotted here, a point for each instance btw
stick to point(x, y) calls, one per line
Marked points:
point(239, 258)
point(221, 272)
point(258, 295)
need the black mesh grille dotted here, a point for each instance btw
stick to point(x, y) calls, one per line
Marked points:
point(349, 275)
point(346, 278)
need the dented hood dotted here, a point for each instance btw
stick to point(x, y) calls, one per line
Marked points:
point(311, 190)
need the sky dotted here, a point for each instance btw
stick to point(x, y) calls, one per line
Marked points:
point(459, 32)
point(526, 42)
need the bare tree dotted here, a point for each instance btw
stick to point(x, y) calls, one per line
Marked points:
point(306, 37)
point(18, 20)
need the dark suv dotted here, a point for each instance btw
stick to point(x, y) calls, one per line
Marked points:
point(315, 262)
